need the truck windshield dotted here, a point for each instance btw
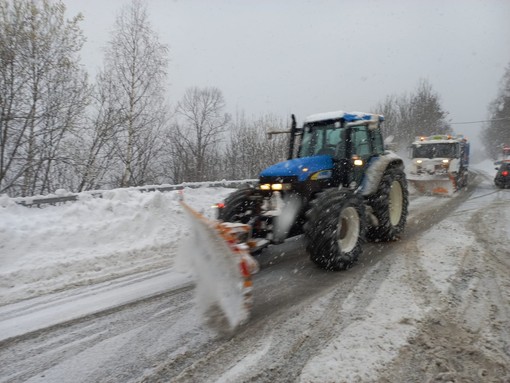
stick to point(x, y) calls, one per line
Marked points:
point(324, 138)
point(443, 150)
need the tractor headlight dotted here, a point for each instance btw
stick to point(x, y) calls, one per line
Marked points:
point(357, 161)
point(445, 161)
point(275, 187)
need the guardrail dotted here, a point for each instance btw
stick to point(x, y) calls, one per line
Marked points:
point(54, 199)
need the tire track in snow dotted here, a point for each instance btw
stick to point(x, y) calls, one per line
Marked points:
point(465, 337)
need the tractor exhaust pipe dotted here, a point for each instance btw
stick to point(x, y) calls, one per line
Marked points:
point(293, 129)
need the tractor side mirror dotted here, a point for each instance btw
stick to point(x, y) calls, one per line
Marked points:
point(389, 144)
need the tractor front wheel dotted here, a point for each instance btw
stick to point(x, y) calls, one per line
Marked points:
point(238, 206)
point(334, 229)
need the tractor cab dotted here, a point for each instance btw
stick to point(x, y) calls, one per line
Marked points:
point(334, 149)
point(350, 139)
point(342, 136)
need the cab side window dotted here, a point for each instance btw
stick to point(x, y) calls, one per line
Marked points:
point(337, 141)
point(377, 141)
point(361, 143)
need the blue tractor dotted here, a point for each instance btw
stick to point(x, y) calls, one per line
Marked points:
point(339, 187)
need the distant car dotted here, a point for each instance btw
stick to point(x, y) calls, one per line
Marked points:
point(502, 179)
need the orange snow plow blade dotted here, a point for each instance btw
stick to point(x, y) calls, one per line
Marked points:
point(433, 186)
point(222, 267)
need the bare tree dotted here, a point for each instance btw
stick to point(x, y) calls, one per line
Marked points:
point(198, 132)
point(428, 115)
point(92, 151)
point(135, 66)
point(393, 108)
point(496, 132)
point(408, 116)
point(43, 92)
point(249, 151)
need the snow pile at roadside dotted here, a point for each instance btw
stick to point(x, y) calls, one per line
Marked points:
point(48, 249)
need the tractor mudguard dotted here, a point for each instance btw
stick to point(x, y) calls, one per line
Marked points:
point(375, 170)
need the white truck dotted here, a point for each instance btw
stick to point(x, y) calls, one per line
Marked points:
point(439, 164)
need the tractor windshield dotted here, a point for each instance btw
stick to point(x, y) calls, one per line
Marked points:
point(437, 150)
point(323, 138)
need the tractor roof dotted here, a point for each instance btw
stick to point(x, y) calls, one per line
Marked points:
point(347, 116)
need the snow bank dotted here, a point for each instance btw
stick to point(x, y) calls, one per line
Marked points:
point(52, 248)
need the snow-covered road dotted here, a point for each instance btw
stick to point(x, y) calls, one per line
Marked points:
point(91, 292)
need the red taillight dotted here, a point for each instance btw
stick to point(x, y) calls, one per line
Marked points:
point(504, 173)
point(220, 205)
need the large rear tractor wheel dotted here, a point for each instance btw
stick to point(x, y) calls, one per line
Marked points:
point(238, 206)
point(335, 229)
point(389, 205)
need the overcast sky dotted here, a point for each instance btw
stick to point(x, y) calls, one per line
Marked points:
point(305, 57)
